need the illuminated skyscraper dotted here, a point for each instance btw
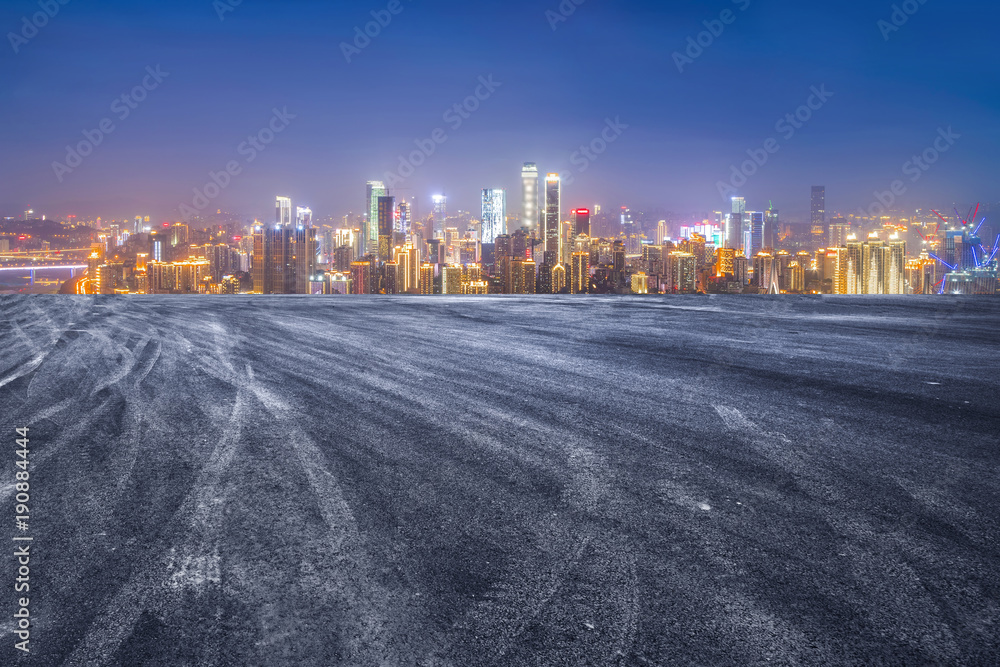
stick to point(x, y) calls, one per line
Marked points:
point(494, 214)
point(369, 234)
point(303, 216)
point(581, 222)
point(855, 265)
point(273, 259)
point(362, 277)
point(304, 250)
point(451, 279)
point(404, 219)
point(553, 210)
point(895, 279)
point(763, 265)
point(835, 269)
point(529, 196)
point(386, 216)
point(558, 278)
point(284, 257)
point(724, 262)
point(640, 283)
point(579, 279)
point(839, 229)
point(681, 273)
point(440, 212)
point(734, 224)
point(283, 211)
point(873, 262)
point(426, 285)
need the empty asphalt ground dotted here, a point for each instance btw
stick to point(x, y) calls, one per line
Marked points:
point(505, 481)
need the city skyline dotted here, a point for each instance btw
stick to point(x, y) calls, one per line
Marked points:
point(874, 98)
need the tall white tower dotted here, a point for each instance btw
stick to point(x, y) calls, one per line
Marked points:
point(283, 211)
point(553, 210)
point(529, 196)
point(494, 214)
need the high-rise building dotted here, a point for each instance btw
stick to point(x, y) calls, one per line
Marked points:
point(451, 279)
point(640, 283)
point(895, 279)
point(652, 259)
point(682, 277)
point(530, 276)
point(304, 251)
point(273, 259)
point(494, 214)
point(855, 265)
point(283, 211)
point(734, 224)
point(553, 210)
point(922, 275)
point(839, 229)
point(404, 219)
point(618, 264)
point(741, 269)
point(818, 208)
point(763, 267)
point(284, 258)
point(426, 286)
point(502, 263)
point(835, 269)
point(757, 231)
point(303, 216)
point(529, 197)
point(581, 222)
point(369, 233)
point(873, 258)
point(872, 266)
point(178, 234)
point(797, 273)
point(386, 217)
point(579, 280)
point(771, 220)
point(440, 212)
point(724, 262)
point(362, 277)
point(558, 278)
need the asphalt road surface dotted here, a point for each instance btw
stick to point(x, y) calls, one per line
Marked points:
point(505, 481)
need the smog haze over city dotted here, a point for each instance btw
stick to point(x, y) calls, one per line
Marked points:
point(694, 102)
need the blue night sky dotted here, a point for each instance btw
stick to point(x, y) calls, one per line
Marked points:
point(557, 88)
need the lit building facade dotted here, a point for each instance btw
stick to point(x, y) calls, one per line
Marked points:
point(529, 197)
point(553, 210)
point(494, 220)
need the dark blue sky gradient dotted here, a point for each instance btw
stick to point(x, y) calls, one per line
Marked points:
point(609, 59)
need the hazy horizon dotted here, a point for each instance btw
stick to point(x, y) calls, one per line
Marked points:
point(557, 79)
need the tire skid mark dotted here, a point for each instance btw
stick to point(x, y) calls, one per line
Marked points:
point(160, 583)
point(883, 556)
point(368, 638)
point(629, 628)
point(384, 382)
point(369, 641)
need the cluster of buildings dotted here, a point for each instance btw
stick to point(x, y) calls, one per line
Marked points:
point(542, 248)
